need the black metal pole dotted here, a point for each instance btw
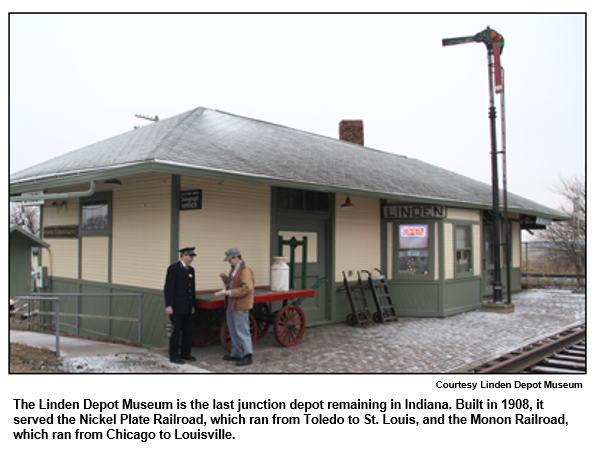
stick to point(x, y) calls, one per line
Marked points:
point(490, 37)
point(507, 228)
point(497, 287)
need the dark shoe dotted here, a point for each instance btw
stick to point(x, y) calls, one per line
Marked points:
point(176, 360)
point(230, 358)
point(189, 358)
point(245, 360)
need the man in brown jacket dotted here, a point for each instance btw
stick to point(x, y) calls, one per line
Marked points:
point(239, 300)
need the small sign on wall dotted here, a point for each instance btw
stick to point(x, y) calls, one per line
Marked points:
point(190, 200)
point(414, 211)
point(61, 232)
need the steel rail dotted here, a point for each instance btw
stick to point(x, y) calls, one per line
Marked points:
point(531, 355)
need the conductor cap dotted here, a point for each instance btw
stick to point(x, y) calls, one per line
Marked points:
point(188, 251)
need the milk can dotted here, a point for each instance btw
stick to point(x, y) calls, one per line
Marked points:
point(279, 275)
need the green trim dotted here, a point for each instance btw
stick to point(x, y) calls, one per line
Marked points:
point(396, 276)
point(100, 196)
point(329, 219)
point(175, 219)
point(455, 223)
point(110, 259)
point(384, 249)
point(331, 224)
point(442, 273)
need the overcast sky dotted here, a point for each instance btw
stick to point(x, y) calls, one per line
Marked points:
point(78, 79)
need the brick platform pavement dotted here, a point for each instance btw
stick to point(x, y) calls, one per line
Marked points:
point(412, 345)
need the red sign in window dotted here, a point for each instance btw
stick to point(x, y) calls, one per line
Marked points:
point(414, 236)
point(415, 231)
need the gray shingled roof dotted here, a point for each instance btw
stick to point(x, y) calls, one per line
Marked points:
point(229, 145)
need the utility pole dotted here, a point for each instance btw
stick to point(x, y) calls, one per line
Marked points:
point(507, 226)
point(494, 45)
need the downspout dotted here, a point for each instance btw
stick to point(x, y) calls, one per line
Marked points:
point(77, 194)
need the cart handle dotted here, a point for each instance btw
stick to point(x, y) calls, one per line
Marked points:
point(315, 287)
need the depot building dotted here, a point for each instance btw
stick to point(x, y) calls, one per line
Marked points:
point(215, 181)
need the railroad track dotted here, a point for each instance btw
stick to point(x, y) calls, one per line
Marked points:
point(562, 353)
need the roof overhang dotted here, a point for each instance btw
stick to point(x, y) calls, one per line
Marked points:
point(61, 180)
point(35, 241)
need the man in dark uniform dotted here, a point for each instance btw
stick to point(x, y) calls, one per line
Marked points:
point(179, 292)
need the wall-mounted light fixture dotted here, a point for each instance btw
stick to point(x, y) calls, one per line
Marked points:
point(113, 182)
point(59, 205)
point(348, 204)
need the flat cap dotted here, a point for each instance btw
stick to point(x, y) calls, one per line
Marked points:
point(188, 251)
point(233, 252)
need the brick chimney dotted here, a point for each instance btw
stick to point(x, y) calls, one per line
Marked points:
point(352, 130)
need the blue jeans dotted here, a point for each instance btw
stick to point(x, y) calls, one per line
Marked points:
point(238, 326)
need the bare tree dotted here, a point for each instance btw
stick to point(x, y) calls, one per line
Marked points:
point(568, 238)
point(28, 217)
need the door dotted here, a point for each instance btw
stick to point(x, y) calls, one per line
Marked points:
point(315, 230)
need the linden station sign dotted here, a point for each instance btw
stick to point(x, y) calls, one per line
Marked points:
point(414, 212)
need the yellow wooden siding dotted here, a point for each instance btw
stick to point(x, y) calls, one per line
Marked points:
point(67, 214)
point(462, 214)
point(477, 249)
point(448, 251)
point(95, 258)
point(233, 215)
point(357, 236)
point(62, 257)
point(141, 230)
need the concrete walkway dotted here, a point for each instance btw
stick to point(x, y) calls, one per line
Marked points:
point(87, 356)
point(410, 345)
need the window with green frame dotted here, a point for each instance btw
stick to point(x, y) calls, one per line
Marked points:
point(413, 252)
point(304, 200)
point(464, 252)
point(95, 214)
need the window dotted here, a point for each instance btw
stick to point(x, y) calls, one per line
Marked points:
point(96, 215)
point(463, 249)
point(304, 200)
point(413, 249)
point(312, 256)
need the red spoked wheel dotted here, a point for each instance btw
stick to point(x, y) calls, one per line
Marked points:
point(289, 326)
point(262, 314)
point(206, 327)
point(225, 334)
